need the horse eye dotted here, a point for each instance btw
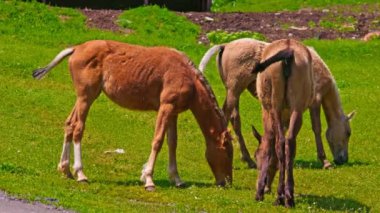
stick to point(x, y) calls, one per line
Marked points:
point(348, 133)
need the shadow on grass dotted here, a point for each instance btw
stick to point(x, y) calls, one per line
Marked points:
point(159, 183)
point(333, 203)
point(304, 164)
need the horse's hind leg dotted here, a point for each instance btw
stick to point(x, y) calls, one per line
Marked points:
point(64, 163)
point(267, 157)
point(164, 114)
point(280, 151)
point(236, 124)
point(74, 127)
point(290, 152)
point(172, 143)
point(231, 111)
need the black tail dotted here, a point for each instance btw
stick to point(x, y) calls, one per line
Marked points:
point(286, 56)
point(219, 60)
point(39, 73)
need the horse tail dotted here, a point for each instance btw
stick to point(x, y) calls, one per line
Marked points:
point(286, 56)
point(208, 55)
point(220, 55)
point(41, 72)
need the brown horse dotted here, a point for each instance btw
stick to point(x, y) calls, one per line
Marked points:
point(285, 90)
point(143, 78)
point(235, 61)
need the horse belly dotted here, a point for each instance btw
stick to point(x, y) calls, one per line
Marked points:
point(132, 94)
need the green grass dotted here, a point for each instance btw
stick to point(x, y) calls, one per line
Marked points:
point(219, 36)
point(283, 5)
point(32, 114)
point(339, 23)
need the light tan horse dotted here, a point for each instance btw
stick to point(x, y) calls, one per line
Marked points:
point(236, 60)
point(285, 90)
point(143, 78)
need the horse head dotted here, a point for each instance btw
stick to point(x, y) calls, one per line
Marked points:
point(338, 137)
point(219, 155)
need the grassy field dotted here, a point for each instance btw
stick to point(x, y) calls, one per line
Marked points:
point(32, 114)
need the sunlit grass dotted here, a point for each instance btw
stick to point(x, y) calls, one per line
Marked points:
point(32, 114)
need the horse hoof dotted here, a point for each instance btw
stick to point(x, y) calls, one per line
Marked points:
point(69, 175)
point(327, 165)
point(279, 202)
point(180, 185)
point(65, 171)
point(267, 190)
point(82, 180)
point(259, 197)
point(289, 203)
point(150, 188)
point(250, 162)
point(252, 165)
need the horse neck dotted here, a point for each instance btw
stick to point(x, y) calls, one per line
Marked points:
point(332, 106)
point(206, 111)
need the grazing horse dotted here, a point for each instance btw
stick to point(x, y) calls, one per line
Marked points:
point(285, 91)
point(235, 61)
point(144, 78)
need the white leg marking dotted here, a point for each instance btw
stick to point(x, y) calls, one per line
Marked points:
point(78, 162)
point(65, 156)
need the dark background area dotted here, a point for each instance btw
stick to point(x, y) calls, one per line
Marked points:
point(177, 5)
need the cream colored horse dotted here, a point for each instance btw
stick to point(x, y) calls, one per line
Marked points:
point(236, 60)
point(143, 78)
point(285, 90)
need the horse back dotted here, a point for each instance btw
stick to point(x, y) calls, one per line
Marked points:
point(295, 91)
point(133, 76)
point(239, 58)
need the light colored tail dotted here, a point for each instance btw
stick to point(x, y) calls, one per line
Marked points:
point(41, 72)
point(208, 55)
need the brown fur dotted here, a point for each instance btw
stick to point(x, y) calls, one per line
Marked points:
point(142, 78)
point(283, 101)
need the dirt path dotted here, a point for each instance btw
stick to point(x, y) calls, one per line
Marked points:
point(10, 204)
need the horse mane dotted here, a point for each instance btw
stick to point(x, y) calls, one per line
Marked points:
point(327, 69)
point(211, 94)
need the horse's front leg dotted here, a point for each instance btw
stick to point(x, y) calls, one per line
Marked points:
point(315, 112)
point(172, 143)
point(163, 117)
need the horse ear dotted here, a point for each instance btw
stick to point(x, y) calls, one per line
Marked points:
point(350, 115)
point(256, 134)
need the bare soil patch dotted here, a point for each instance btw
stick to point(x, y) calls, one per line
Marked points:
point(303, 24)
